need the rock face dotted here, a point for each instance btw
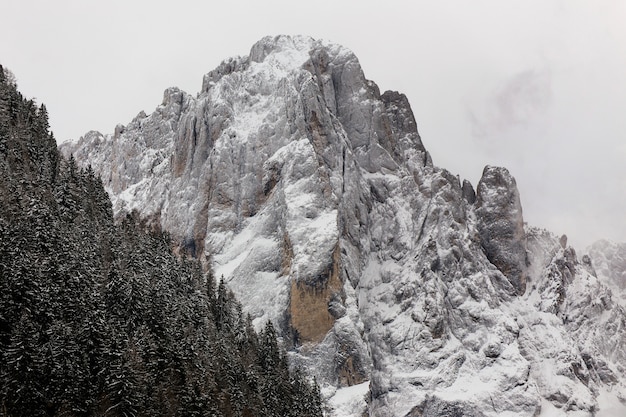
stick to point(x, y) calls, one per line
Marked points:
point(313, 196)
point(608, 260)
point(501, 226)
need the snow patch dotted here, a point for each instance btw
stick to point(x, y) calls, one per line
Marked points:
point(350, 401)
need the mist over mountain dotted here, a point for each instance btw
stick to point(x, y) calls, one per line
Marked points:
point(405, 290)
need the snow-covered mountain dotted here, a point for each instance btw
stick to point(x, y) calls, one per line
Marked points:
point(405, 291)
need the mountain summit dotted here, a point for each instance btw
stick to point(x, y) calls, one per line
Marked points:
point(405, 291)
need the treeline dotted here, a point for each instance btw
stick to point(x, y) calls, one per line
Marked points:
point(102, 319)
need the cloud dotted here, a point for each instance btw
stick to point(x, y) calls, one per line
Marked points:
point(520, 101)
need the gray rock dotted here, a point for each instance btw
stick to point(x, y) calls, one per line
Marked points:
point(468, 192)
point(501, 225)
point(608, 260)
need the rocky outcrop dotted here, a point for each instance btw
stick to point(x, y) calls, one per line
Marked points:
point(312, 195)
point(468, 192)
point(501, 225)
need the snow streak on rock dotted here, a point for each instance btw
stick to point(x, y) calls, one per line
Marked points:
point(313, 196)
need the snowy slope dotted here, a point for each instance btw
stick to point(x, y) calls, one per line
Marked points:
point(609, 262)
point(405, 292)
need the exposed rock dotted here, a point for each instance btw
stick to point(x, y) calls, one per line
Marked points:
point(468, 192)
point(311, 317)
point(313, 195)
point(501, 225)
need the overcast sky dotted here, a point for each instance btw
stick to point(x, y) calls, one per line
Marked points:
point(538, 86)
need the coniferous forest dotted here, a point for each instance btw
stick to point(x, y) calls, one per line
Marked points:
point(99, 318)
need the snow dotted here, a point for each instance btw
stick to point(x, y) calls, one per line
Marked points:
point(350, 401)
point(424, 312)
point(227, 269)
point(609, 261)
point(610, 404)
point(248, 264)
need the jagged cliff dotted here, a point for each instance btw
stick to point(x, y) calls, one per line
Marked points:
point(312, 194)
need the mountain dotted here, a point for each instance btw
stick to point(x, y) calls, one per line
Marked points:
point(609, 261)
point(99, 318)
point(406, 291)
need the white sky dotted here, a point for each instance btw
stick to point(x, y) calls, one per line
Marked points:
point(538, 86)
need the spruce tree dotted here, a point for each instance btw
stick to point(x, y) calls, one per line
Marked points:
point(100, 318)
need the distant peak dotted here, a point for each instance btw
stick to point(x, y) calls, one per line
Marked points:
point(272, 44)
point(284, 53)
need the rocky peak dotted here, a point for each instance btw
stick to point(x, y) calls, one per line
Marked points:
point(501, 225)
point(290, 51)
point(608, 259)
point(313, 196)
